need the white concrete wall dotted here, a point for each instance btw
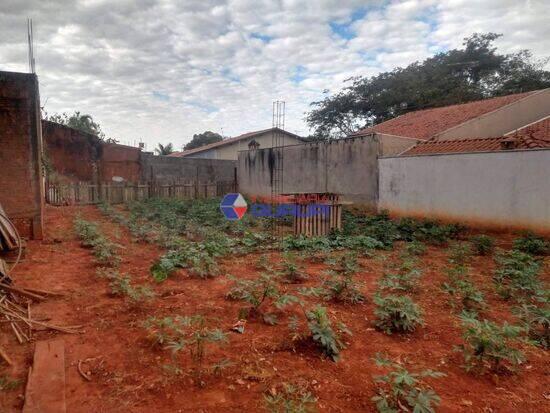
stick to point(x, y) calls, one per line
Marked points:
point(506, 188)
point(347, 167)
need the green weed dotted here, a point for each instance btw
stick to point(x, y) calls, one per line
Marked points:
point(401, 390)
point(487, 345)
point(396, 314)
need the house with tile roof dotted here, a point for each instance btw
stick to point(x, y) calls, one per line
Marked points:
point(532, 136)
point(229, 148)
point(486, 119)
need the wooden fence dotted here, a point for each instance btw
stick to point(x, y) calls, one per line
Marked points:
point(85, 193)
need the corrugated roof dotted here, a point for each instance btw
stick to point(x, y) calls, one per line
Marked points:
point(424, 124)
point(534, 136)
point(229, 141)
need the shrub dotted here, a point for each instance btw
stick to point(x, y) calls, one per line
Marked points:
point(401, 389)
point(536, 322)
point(517, 275)
point(532, 244)
point(487, 345)
point(257, 291)
point(483, 244)
point(290, 399)
point(396, 314)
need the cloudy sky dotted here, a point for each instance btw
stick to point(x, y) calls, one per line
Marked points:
point(162, 70)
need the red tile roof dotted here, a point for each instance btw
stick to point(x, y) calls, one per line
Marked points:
point(534, 136)
point(230, 140)
point(424, 124)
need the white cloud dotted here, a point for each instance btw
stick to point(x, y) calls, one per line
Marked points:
point(162, 70)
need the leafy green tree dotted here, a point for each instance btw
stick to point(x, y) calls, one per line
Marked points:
point(164, 149)
point(79, 121)
point(201, 139)
point(476, 71)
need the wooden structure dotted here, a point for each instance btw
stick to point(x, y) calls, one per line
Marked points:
point(85, 193)
point(317, 214)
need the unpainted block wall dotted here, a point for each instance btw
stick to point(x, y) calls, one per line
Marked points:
point(347, 167)
point(166, 169)
point(21, 180)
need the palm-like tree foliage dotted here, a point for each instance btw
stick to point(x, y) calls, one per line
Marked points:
point(164, 149)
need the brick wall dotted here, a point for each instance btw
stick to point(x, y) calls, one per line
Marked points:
point(75, 156)
point(71, 155)
point(120, 161)
point(21, 180)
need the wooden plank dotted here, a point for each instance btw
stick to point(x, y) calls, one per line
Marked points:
point(46, 386)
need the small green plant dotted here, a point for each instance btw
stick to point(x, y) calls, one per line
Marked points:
point(396, 314)
point(7, 384)
point(122, 286)
point(483, 244)
point(263, 263)
point(536, 322)
point(487, 345)
point(416, 248)
point(292, 271)
point(517, 275)
point(459, 253)
point(406, 282)
point(186, 333)
point(463, 291)
point(322, 333)
point(105, 251)
point(531, 243)
point(339, 284)
point(402, 390)
point(199, 259)
point(256, 292)
point(290, 398)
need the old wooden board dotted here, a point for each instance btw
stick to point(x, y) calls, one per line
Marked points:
point(46, 386)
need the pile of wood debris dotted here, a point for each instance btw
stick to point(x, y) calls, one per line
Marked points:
point(15, 301)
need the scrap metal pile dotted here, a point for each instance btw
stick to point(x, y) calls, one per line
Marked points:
point(15, 301)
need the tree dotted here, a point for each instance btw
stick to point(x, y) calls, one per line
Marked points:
point(473, 72)
point(164, 150)
point(201, 139)
point(79, 121)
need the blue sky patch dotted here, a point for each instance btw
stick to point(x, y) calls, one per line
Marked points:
point(229, 75)
point(263, 37)
point(299, 74)
point(161, 96)
point(344, 30)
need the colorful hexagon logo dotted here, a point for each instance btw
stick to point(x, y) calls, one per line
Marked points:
point(233, 206)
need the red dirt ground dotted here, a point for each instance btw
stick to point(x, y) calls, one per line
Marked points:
point(126, 370)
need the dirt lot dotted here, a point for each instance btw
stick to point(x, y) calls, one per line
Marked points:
point(127, 371)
